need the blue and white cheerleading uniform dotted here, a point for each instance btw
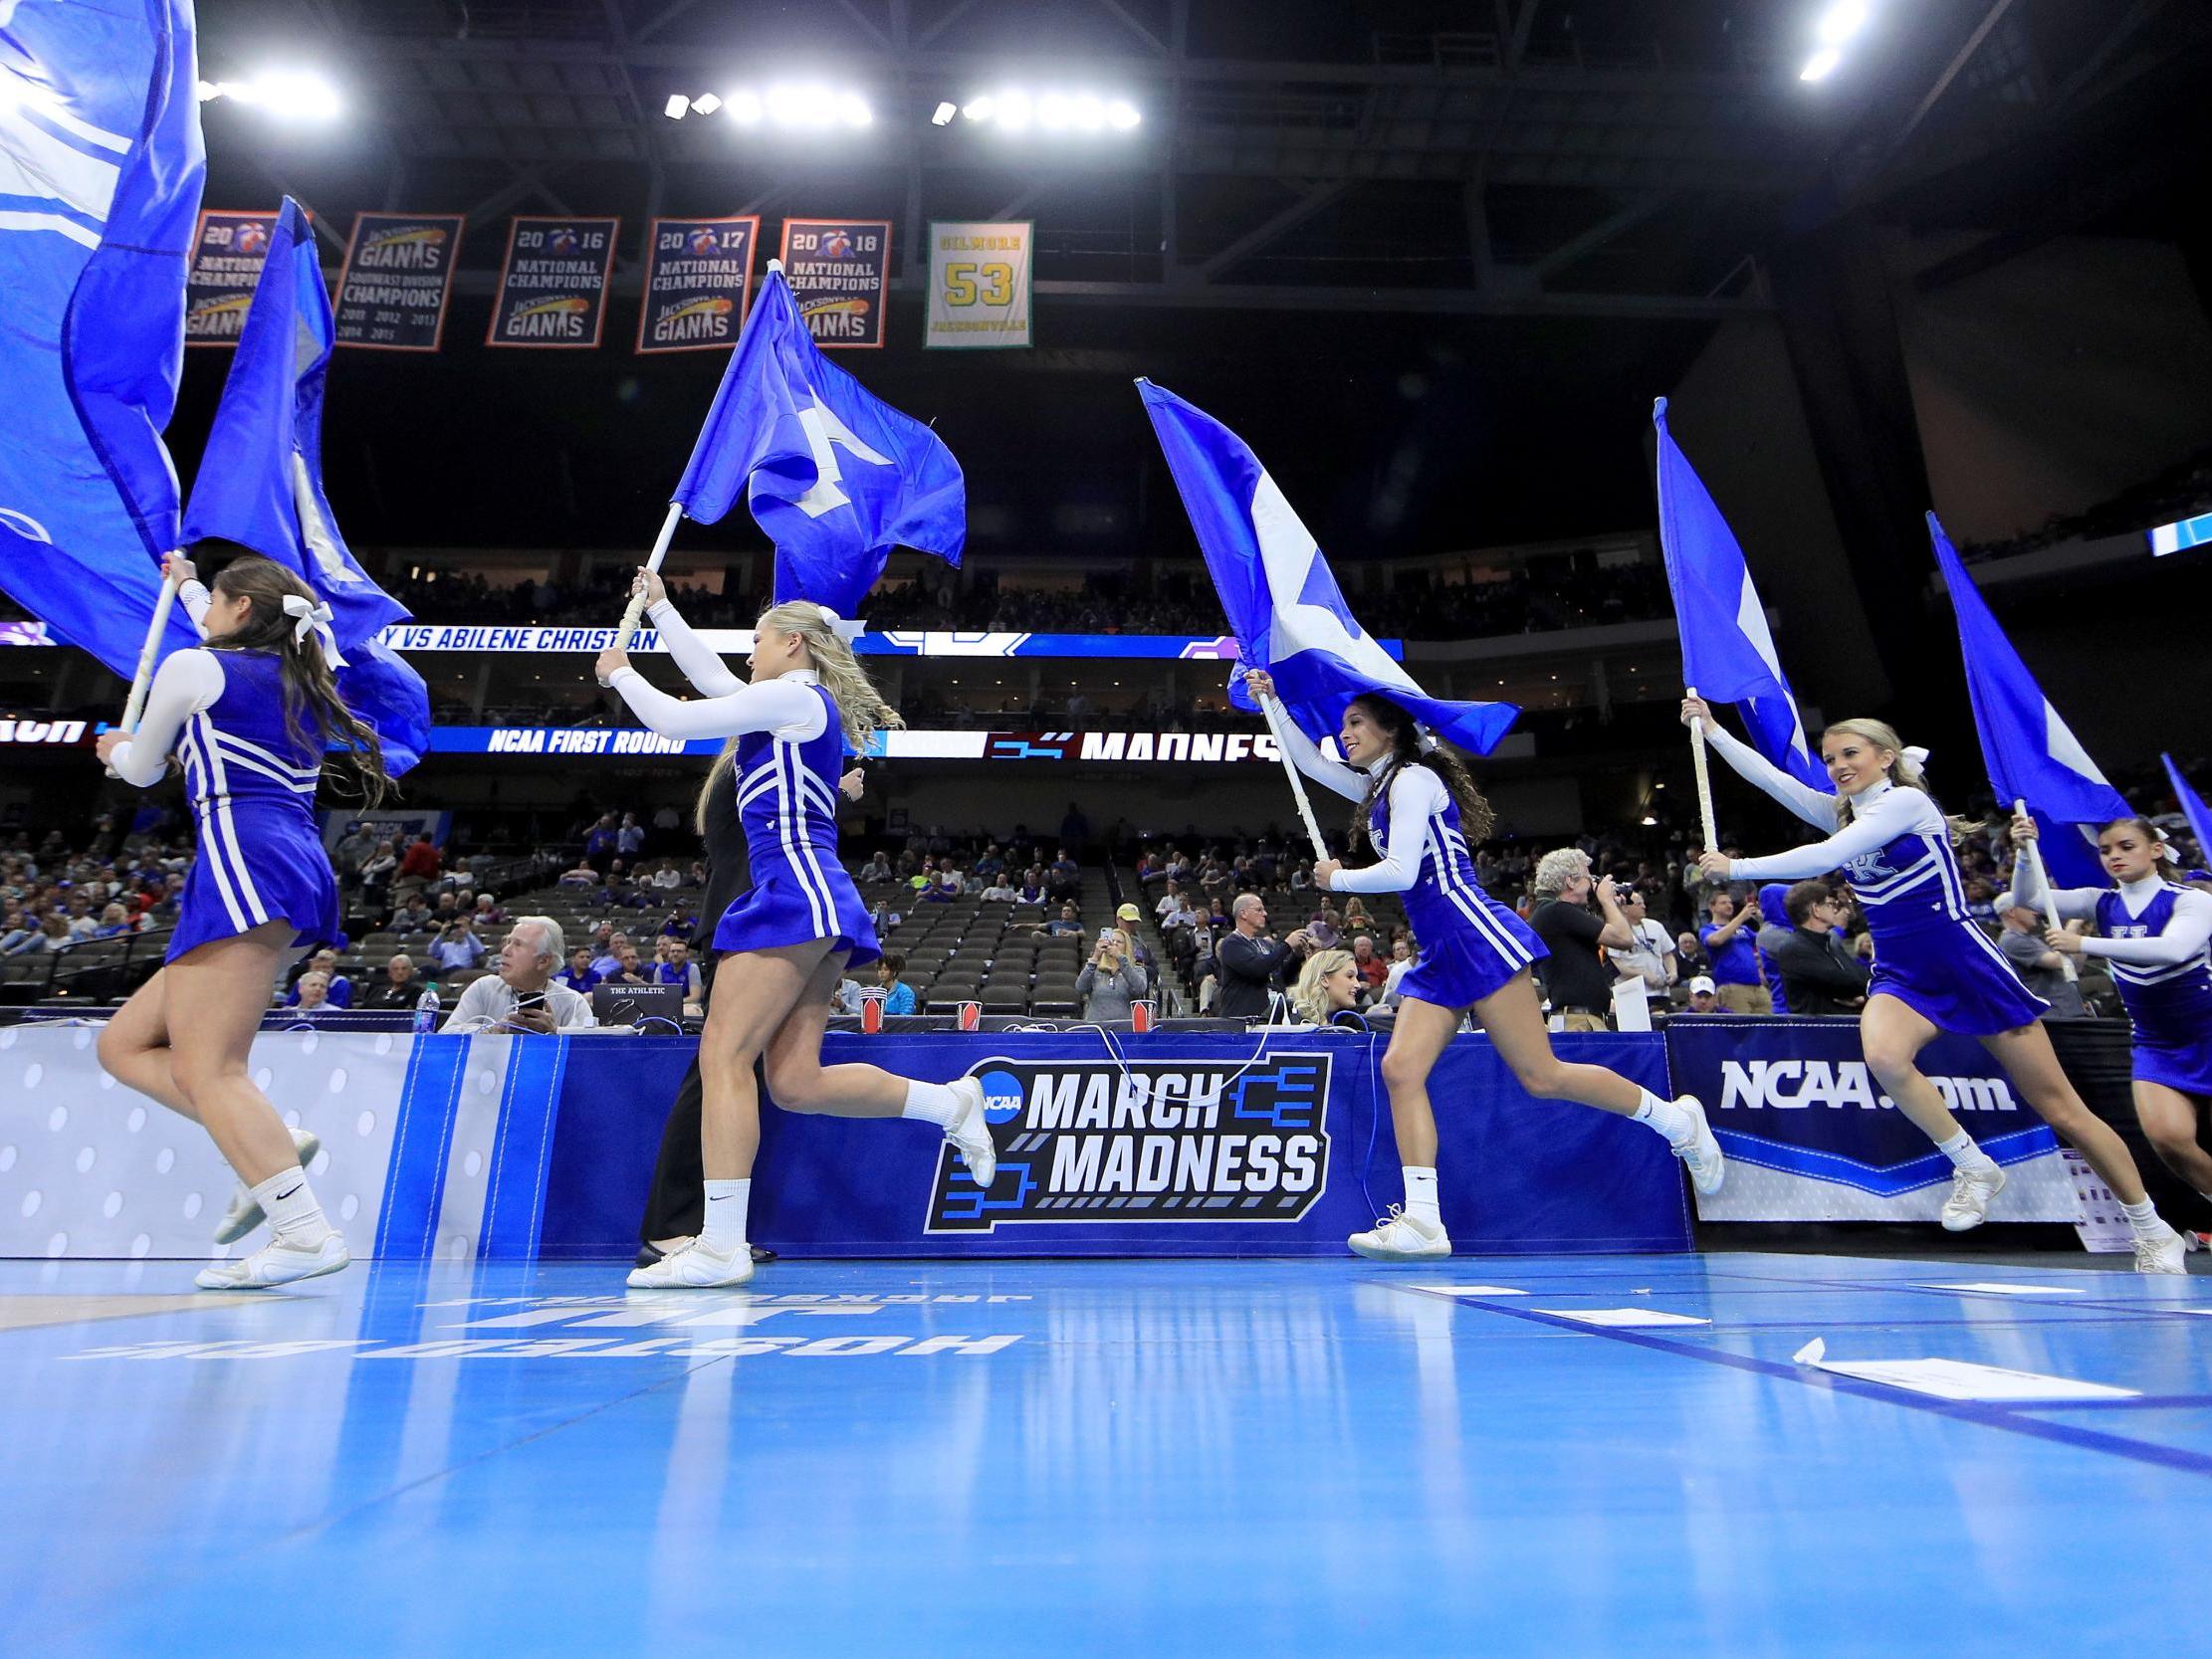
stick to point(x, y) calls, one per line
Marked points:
point(1896, 855)
point(790, 754)
point(2158, 938)
point(1470, 944)
point(252, 789)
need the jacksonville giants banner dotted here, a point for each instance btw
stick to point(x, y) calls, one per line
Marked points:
point(840, 271)
point(227, 256)
point(553, 287)
point(1811, 1137)
point(698, 280)
point(397, 280)
point(979, 284)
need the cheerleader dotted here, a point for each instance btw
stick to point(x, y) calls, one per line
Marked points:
point(786, 941)
point(1417, 805)
point(2155, 934)
point(251, 716)
point(1935, 969)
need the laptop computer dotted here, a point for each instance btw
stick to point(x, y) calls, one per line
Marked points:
point(634, 1004)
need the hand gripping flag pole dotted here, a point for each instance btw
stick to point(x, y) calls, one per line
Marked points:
point(135, 704)
point(1704, 781)
point(2033, 851)
point(634, 613)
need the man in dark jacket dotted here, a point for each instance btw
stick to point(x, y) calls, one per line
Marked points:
point(1820, 975)
point(1249, 965)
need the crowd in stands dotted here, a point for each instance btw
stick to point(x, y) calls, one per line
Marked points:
point(55, 898)
point(2182, 491)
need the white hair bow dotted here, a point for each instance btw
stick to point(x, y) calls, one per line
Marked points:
point(1426, 738)
point(1914, 753)
point(312, 617)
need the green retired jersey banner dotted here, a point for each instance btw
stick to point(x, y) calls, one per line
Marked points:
point(979, 284)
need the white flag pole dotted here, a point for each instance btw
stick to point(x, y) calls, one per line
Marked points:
point(2034, 850)
point(1273, 710)
point(635, 612)
point(135, 704)
point(1704, 781)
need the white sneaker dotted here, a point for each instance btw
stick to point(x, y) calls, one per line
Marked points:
point(244, 1215)
point(1701, 1153)
point(970, 1132)
point(1400, 1237)
point(2161, 1252)
point(275, 1263)
point(1971, 1191)
point(694, 1267)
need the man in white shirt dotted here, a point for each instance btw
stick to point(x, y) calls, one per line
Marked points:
point(1652, 956)
point(523, 997)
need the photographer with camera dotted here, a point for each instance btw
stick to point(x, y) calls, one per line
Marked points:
point(1111, 980)
point(1575, 979)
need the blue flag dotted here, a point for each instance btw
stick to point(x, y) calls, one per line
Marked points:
point(2031, 753)
point(259, 483)
point(1284, 607)
point(2193, 809)
point(101, 168)
point(835, 477)
point(1727, 649)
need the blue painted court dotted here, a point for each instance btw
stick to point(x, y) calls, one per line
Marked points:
point(1274, 1457)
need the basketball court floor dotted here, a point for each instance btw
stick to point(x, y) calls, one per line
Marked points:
point(1729, 1453)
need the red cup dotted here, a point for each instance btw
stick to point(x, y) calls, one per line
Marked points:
point(971, 1017)
point(1140, 1016)
point(871, 1011)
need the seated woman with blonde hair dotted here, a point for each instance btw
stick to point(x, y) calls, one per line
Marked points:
point(1328, 988)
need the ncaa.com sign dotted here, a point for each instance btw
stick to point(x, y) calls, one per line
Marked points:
point(1800, 1085)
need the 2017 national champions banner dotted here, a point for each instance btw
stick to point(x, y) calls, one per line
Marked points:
point(553, 287)
point(698, 281)
point(979, 284)
point(840, 272)
point(1811, 1137)
point(228, 251)
point(397, 281)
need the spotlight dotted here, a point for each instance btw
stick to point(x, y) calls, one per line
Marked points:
point(1821, 65)
point(1013, 112)
point(289, 94)
point(705, 104)
point(1054, 111)
point(853, 111)
point(677, 106)
point(746, 108)
point(1121, 115)
point(943, 114)
point(981, 108)
point(1842, 20)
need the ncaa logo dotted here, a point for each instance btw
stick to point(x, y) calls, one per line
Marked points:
point(1001, 1097)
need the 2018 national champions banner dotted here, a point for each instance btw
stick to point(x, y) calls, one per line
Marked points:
point(398, 279)
point(840, 272)
point(553, 287)
point(228, 251)
point(698, 281)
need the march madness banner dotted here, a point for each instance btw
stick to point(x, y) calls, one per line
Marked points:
point(397, 281)
point(840, 271)
point(698, 281)
point(553, 287)
point(1811, 1137)
point(979, 285)
point(228, 251)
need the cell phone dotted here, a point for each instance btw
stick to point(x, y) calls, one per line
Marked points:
point(530, 1002)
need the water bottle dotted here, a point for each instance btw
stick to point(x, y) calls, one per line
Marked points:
point(426, 1012)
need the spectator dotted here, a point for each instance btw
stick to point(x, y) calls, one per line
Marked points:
point(998, 893)
point(608, 961)
point(1650, 956)
point(352, 849)
point(114, 923)
point(1727, 940)
point(1032, 888)
point(1576, 981)
point(400, 988)
point(1065, 879)
point(1690, 956)
point(422, 861)
point(1129, 918)
point(377, 872)
point(414, 917)
point(629, 838)
point(1328, 989)
point(667, 877)
point(1402, 955)
point(489, 913)
point(2041, 968)
point(1250, 964)
point(1373, 971)
point(311, 995)
point(1704, 997)
point(1111, 980)
point(678, 970)
point(337, 990)
point(51, 933)
point(877, 869)
point(898, 996)
point(1774, 930)
point(600, 842)
point(521, 995)
point(457, 947)
point(578, 976)
point(1065, 925)
point(1323, 932)
point(1820, 975)
point(581, 875)
point(630, 970)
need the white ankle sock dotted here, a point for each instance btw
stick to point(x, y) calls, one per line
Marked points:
point(2144, 1217)
point(933, 1103)
point(288, 1203)
point(1421, 1195)
point(1963, 1153)
point(1665, 1116)
point(723, 1231)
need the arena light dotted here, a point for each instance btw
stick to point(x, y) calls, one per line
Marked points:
point(1842, 20)
point(943, 114)
point(1015, 110)
point(1821, 65)
point(794, 107)
point(289, 94)
point(677, 106)
point(705, 104)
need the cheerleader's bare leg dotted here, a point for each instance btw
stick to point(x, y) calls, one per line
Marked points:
point(2169, 1121)
point(134, 1046)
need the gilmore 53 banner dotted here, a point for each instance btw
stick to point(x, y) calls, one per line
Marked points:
point(227, 254)
point(840, 271)
point(979, 284)
point(553, 287)
point(399, 276)
point(698, 278)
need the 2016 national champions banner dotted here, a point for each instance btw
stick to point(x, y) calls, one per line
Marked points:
point(979, 284)
point(228, 251)
point(553, 287)
point(840, 272)
point(1811, 1137)
point(697, 283)
point(397, 281)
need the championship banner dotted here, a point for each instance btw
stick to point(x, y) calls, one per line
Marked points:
point(552, 285)
point(1117, 749)
point(1811, 1137)
point(228, 250)
point(698, 281)
point(978, 284)
point(840, 271)
point(398, 277)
